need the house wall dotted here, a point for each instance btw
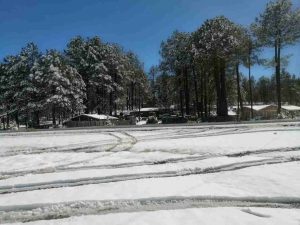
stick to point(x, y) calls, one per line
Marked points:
point(84, 118)
point(266, 113)
point(97, 123)
point(84, 123)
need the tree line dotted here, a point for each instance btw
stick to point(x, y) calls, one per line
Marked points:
point(201, 69)
point(89, 76)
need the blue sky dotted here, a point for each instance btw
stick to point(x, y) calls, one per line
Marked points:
point(139, 25)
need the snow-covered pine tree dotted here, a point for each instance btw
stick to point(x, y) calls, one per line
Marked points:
point(20, 93)
point(60, 86)
point(277, 27)
point(115, 60)
point(217, 40)
point(177, 58)
point(136, 81)
point(87, 57)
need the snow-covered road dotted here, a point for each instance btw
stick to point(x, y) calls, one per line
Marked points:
point(226, 174)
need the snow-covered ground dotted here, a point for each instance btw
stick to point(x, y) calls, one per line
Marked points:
point(226, 174)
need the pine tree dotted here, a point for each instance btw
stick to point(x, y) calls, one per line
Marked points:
point(278, 26)
point(217, 39)
point(86, 57)
point(177, 58)
point(19, 92)
point(60, 86)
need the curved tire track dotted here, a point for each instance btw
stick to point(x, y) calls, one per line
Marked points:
point(86, 147)
point(221, 133)
point(68, 167)
point(125, 177)
point(90, 147)
point(29, 213)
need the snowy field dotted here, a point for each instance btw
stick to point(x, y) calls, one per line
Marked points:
point(221, 174)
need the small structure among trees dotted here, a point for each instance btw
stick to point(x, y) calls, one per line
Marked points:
point(291, 111)
point(85, 120)
point(260, 112)
point(270, 112)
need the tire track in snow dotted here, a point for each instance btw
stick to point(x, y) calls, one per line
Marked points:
point(119, 142)
point(249, 211)
point(263, 151)
point(112, 149)
point(68, 167)
point(192, 134)
point(28, 213)
point(95, 147)
point(90, 147)
point(81, 147)
point(136, 176)
point(129, 142)
point(6, 175)
point(173, 133)
point(119, 146)
point(221, 133)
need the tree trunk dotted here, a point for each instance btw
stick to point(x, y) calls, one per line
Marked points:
point(53, 116)
point(17, 119)
point(139, 103)
point(153, 90)
point(127, 100)
point(3, 121)
point(26, 120)
point(186, 91)
point(87, 100)
point(135, 96)
point(217, 85)
point(110, 103)
point(240, 101)
point(277, 68)
point(205, 95)
point(181, 102)
point(115, 108)
point(132, 95)
point(223, 112)
point(196, 92)
point(250, 81)
point(202, 93)
point(59, 119)
point(7, 121)
point(36, 118)
point(115, 94)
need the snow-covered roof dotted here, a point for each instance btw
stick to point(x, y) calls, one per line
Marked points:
point(149, 109)
point(257, 107)
point(231, 113)
point(47, 122)
point(291, 107)
point(100, 117)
